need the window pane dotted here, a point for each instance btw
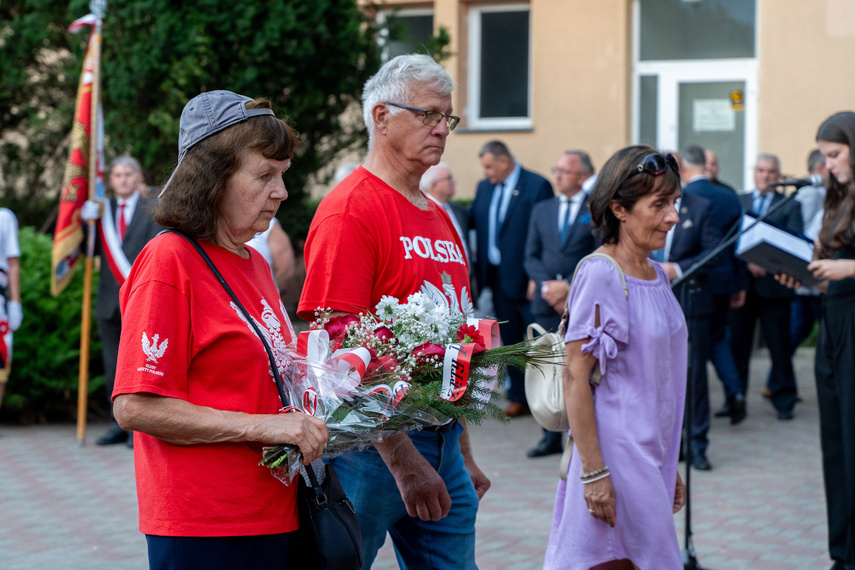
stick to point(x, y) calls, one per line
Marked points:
point(647, 108)
point(504, 64)
point(707, 29)
point(409, 34)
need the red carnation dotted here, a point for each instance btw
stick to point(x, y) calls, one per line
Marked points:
point(468, 334)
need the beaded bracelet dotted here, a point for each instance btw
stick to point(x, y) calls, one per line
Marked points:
point(603, 476)
point(594, 473)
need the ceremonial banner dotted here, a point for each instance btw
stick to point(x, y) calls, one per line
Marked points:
point(75, 183)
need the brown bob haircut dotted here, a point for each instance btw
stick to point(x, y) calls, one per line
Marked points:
point(613, 183)
point(838, 224)
point(192, 202)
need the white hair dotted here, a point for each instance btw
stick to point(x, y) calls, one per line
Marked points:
point(126, 160)
point(429, 177)
point(394, 81)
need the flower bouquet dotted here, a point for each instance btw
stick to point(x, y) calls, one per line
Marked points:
point(409, 366)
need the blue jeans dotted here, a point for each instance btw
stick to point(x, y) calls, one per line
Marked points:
point(448, 543)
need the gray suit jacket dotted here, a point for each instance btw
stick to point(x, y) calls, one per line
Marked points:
point(546, 257)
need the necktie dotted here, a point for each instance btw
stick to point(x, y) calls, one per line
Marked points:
point(658, 255)
point(123, 225)
point(494, 255)
point(761, 204)
point(565, 224)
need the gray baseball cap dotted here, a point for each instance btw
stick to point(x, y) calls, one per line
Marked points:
point(207, 114)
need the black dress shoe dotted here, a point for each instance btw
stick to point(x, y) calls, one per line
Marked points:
point(546, 447)
point(737, 409)
point(115, 435)
point(700, 461)
point(724, 411)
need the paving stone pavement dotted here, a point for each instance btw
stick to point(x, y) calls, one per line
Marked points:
point(63, 506)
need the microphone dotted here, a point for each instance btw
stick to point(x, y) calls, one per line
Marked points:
point(812, 180)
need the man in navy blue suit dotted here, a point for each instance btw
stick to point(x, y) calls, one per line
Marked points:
point(726, 279)
point(692, 239)
point(559, 235)
point(500, 216)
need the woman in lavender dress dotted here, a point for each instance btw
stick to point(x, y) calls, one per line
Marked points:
point(615, 510)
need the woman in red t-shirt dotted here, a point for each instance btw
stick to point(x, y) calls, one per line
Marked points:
point(193, 378)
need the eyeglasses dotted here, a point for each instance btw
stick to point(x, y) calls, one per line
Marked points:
point(431, 118)
point(566, 172)
point(656, 165)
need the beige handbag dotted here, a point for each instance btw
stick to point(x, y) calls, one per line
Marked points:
point(544, 384)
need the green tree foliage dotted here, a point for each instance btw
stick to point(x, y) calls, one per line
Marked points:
point(310, 57)
point(43, 384)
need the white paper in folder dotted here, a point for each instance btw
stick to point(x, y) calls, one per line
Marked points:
point(775, 250)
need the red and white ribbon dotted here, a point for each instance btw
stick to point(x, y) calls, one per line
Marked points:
point(80, 23)
point(352, 362)
point(456, 365)
point(455, 371)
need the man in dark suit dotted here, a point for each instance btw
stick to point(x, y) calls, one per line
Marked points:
point(559, 235)
point(692, 239)
point(726, 278)
point(500, 216)
point(135, 226)
point(766, 299)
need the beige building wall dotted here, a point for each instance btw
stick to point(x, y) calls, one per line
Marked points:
point(806, 50)
point(581, 73)
point(580, 62)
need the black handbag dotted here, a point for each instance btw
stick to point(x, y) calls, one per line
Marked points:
point(329, 537)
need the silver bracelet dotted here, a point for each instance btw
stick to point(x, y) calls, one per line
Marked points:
point(603, 476)
point(584, 476)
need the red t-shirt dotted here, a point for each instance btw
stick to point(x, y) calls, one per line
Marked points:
point(367, 240)
point(183, 338)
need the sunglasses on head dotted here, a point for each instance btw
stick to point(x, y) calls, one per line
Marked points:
point(656, 165)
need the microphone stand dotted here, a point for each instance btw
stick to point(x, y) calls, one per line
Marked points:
point(690, 561)
point(687, 294)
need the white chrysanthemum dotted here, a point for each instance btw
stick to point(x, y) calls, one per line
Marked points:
point(387, 307)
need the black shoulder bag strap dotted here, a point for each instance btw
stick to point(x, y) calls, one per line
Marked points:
point(316, 487)
point(279, 386)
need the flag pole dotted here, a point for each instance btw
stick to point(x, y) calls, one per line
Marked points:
point(98, 8)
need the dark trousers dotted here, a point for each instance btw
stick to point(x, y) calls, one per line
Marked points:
point(110, 329)
point(514, 316)
point(774, 316)
point(265, 552)
point(699, 339)
point(835, 390)
point(720, 355)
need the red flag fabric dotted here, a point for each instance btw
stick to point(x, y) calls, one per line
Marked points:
point(75, 183)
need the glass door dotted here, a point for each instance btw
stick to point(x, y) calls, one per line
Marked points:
point(712, 104)
point(695, 80)
point(710, 115)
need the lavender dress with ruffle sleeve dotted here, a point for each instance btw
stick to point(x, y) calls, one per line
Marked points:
point(641, 348)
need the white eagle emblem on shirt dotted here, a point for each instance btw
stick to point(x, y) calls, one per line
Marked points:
point(151, 349)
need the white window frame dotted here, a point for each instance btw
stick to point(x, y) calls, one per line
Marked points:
point(473, 105)
point(383, 15)
point(671, 73)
